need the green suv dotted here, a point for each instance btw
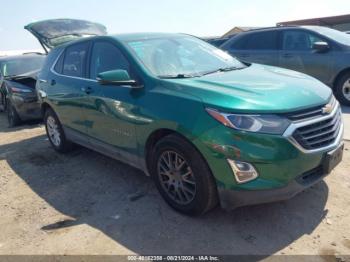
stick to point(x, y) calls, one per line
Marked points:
point(206, 127)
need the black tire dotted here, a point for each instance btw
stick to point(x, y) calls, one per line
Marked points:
point(205, 196)
point(13, 118)
point(2, 103)
point(340, 89)
point(61, 145)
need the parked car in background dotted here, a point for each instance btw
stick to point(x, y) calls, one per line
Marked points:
point(205, 126)
point(18, 95)
point(320, 52)
point(216, 41)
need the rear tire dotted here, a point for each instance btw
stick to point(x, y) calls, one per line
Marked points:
point(182, 176)
point(342, 89)
point(13, 118)
point(2, 103)
point(55, 133)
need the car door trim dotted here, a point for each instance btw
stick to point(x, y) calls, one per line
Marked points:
point(106, 149)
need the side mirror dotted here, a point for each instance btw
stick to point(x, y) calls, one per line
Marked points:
point(117, 77)
point(320, 47)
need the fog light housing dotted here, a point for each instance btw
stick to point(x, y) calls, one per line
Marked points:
point(243, 172)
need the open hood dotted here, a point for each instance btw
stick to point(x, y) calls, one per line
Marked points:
point(32, 74)
point(54, 32)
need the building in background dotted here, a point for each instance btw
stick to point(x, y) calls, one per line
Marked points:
point(341, 22)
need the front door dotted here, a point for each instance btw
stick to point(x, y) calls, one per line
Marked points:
point(110, 113)
point(297, 54)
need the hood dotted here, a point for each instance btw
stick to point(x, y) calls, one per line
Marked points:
point(256, 89)
point(32, 74)
point(54, 32)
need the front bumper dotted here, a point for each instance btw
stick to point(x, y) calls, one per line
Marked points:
point(27, 106)
point(231, 199)
point(280, 162)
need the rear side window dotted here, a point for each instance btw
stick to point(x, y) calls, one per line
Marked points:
point(59, 64)
point(74, 60)
point(105, 57)
point(257, 41)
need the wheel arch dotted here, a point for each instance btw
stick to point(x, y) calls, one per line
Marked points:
point(152, 140)
point(157, 135)
point(44, 107)
point(339, 76)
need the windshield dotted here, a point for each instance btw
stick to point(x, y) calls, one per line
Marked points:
point(181, 55)
point(20, 66)
point(336, 35)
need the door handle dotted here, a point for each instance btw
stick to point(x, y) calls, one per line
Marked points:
point(287, 55)
point(53, 82)
point(87, 90)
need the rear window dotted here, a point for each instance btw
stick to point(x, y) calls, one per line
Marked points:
point(20, 66)
point(74, 60)
point(257, 41)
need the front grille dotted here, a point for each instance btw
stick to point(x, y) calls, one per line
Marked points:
point(305, 114)
point(319, 134)
point(309, 113)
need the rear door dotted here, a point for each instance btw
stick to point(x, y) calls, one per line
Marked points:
point(297, 54)
point(65, 86)
point(257, 47)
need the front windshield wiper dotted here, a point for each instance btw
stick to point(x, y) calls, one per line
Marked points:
point(179, 76)
point(222, 69)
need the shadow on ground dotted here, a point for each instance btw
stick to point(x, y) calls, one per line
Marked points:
point(123, 204)
point(4, 128)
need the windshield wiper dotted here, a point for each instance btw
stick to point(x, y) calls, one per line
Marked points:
point(179, 76)
point(222, 69)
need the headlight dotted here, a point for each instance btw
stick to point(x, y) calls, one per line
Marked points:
point(270, 124)
point(21, 90)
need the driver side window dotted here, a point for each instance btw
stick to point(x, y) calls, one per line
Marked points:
point(106, 57)
point(298, 40)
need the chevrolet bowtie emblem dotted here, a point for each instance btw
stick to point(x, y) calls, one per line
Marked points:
point(327, 109)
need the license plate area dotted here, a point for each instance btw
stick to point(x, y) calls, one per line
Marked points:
point(332, 159)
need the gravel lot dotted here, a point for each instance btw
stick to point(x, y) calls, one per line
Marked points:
point(86, 203)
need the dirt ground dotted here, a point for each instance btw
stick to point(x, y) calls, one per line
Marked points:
point(86, 203)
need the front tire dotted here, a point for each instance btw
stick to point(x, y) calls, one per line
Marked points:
point(182, 176)
point(342, 89)
point(13, 118)
point(55, 133)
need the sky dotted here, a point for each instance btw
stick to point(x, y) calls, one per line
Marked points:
point(196, 17)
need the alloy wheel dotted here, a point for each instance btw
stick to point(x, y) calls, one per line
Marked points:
point(53, 131)
point(346, 89)
point(176, 177)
